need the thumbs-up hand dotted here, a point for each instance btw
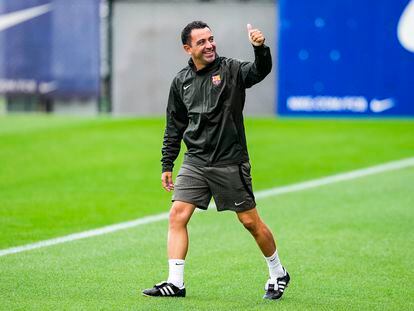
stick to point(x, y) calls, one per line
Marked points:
point(255, 36)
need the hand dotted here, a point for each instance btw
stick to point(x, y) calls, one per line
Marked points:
point(255, 36)
point(167, 181)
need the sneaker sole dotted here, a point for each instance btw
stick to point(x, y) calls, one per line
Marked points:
point(145, 295)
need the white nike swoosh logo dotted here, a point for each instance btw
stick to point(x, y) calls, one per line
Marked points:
point(47, 87)
point(237, 204)
point(377, 105)
point(12, 19)
point(186, 87)
point(405, 30)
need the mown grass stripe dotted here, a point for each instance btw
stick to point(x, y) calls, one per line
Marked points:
point(390, 166)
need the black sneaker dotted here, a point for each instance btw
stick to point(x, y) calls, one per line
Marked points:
point(275, 288)
point(164, 289)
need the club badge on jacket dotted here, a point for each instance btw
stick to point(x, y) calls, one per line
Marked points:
point(216, 80)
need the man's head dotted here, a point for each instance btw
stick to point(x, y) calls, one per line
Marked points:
point(198, 41)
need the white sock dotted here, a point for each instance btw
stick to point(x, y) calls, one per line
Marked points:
point(176, 272)
point(275, 267)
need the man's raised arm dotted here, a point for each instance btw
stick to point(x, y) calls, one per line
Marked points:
point(252, 73)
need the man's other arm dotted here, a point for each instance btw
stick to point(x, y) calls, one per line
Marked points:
point(177, 121)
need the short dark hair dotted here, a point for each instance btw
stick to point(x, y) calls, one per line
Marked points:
point(186, 33)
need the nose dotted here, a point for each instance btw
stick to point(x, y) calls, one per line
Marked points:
point(209, 45)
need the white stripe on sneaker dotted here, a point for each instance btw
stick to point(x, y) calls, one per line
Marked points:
point(162, 291)
point(170, 289)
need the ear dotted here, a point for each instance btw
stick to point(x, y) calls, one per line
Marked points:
point(187, 48)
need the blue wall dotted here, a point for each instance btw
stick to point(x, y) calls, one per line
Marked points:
point(49, 47)
point(345, 57)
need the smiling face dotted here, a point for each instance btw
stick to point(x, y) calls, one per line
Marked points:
point(202, 47)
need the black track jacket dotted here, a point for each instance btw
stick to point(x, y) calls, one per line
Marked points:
point(205, 110)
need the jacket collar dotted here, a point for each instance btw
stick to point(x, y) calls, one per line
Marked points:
point(207, 68)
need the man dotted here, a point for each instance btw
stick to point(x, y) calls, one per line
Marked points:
point(204, 109)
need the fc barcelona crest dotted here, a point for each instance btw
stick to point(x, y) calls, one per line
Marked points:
point(216, 80)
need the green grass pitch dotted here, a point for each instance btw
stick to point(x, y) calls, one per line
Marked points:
point(347, 245)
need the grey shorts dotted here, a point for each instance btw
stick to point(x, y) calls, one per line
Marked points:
point(230, 186)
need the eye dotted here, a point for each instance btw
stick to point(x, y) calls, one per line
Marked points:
point(201, 42)
point(211, 39)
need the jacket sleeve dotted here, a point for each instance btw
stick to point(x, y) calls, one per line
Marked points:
point(252, 73)
point(177, 121)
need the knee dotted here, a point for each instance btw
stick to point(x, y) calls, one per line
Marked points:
point(250, 224)
point(178, 216)
point(175, 218)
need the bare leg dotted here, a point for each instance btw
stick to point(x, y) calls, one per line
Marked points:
point(180, 215)
point(261, 233)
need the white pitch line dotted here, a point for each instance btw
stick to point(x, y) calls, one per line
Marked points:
point(390, 166)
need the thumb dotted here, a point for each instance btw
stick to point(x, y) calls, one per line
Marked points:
point(249, 31)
